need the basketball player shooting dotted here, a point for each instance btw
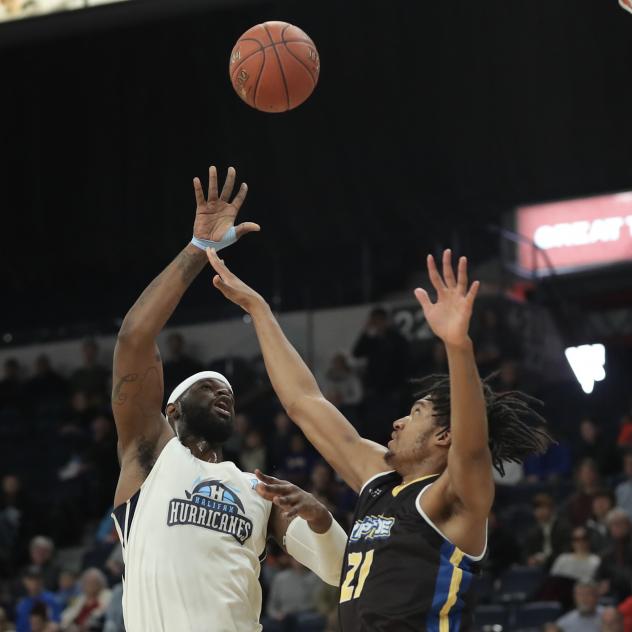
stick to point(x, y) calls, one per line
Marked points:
point(421, 524)
point(193, 528)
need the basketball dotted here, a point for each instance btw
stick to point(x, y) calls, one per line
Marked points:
point(274, 67)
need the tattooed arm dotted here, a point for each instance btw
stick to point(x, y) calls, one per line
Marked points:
point(138, 387)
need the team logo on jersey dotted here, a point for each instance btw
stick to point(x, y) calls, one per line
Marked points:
point(372, 528)
point(212, 505)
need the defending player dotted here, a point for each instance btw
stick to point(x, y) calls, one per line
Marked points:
point(194, 528)
point(420, 525)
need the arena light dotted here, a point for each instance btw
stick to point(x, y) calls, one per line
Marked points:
point(588, 363)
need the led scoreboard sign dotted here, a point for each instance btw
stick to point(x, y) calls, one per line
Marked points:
point(17, 9)
point(576, 234)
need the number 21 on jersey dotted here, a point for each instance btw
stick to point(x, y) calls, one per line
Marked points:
point(355, 561)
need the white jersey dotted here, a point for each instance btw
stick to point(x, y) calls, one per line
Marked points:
point(193, 538)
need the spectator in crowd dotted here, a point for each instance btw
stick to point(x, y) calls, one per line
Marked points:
point(611, 620)
point(343, 387)
point(508, 378)
point(438, 358)
point(42, 555)
point(488, 336)
point(90, 605)
point(233, 447)
point(115, 565)
point(578, 507)
point(592, 444)
point(279, 443)
point(33, 581)
point(293, 592)
point(11, 387)
point(323, 486)
point(46, 388)
point(580, 564)
point(91, 378)
point(40, 620)
point(624, 439)
point(586, 617)
point(625, 609)
point(5, 624)
point(623, 491)
point(297, 463)
point(254, 454)
point(102, 464)
point(615, 571)
point(550, 535)
point(503, 549)
point(603, 502)
point(78, 417)
point(385, 351)
point(114, 613)
point(68, 588)
point(15, 507)
point(178, 365)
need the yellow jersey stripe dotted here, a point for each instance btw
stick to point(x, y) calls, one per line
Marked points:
point(455, 583)
point(399, 488)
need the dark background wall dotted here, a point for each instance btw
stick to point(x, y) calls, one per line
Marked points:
point(430, 120)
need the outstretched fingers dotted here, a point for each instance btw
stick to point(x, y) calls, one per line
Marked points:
point(423, 298)
point(461, 277)
point(212, 183)
point(218, 264)
point(199, 193)
point(473, 291)
point(448, 272)
point(435, 277)
point(240, 197)
point(229, 184)
point(246, 227)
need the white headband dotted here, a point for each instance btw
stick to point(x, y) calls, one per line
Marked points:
point(190, 381)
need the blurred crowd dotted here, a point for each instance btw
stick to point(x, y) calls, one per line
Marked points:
point(560, 535)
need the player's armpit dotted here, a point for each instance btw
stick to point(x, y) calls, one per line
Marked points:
point(355, 459)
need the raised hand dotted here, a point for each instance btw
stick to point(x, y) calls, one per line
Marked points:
point(231, 286)
point(292, 500)
point(449, 317)
point(215, 214)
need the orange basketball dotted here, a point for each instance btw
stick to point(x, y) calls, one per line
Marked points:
point(274, 67)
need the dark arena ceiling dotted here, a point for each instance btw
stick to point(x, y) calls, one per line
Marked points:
point(430, 120)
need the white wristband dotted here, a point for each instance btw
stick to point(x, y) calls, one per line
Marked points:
point(230, 237)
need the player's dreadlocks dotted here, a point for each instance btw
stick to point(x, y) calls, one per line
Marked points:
point(516, 430)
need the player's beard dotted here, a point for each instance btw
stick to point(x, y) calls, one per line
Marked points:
point(202, 422)
point(405, 456)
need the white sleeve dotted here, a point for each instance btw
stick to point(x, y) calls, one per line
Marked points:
point(322, 553)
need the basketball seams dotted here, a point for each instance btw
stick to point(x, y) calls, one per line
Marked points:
point(263, 65)
point(300, 61)
point(276, 54)
point(264, 46)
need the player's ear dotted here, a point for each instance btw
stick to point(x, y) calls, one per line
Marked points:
point(443, 437)
point(173, 412)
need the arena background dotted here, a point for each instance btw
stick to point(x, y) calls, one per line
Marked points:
point(431, 123)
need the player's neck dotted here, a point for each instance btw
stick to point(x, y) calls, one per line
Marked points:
point(429, 467)
point(203, 450)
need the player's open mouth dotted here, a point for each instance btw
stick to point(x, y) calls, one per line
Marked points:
point(223, 405)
